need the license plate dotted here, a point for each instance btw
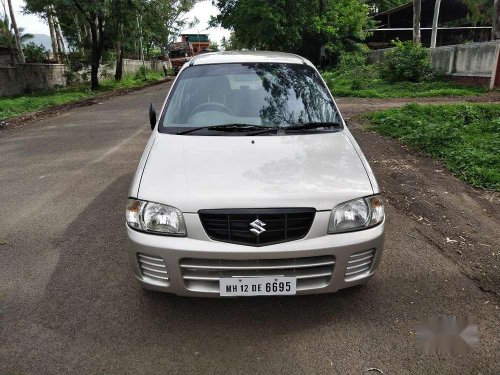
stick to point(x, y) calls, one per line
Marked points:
point(258, 286)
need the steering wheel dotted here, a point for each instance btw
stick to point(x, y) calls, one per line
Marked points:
point(199, 108)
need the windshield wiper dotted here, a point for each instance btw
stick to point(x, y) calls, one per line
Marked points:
point(312, 125)
point(236, 127)
point(261, 129)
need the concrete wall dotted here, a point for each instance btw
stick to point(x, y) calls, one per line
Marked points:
point(129, 67)
point(24, 78)
point(133, 66)
point(467, 63)
point(475, 59)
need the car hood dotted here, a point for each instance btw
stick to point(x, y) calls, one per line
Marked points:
point(208, 172)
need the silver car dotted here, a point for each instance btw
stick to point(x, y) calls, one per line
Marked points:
point(251, 184)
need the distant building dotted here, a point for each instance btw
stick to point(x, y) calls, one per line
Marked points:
point(454, 25)
point(199, 42)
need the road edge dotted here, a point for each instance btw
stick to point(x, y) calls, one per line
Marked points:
point(15, 122)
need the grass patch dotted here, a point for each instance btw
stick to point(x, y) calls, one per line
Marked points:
point(465, 137)
point(23, 104)
point(365, 83)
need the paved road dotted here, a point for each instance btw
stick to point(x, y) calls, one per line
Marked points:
point(68, 303)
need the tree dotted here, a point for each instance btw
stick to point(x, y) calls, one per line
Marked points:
point(229, 44)
point(16, 32)
point(214, 46)
point(52, 31)
point(224, 44)
point(7, 38)
point(298, 26)
point(96, 27)
point(480, 11)
point(150, 23)
point(36, 53)
point(435, 22)
point(417, 9)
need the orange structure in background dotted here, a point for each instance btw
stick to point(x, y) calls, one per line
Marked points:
point(199, 42)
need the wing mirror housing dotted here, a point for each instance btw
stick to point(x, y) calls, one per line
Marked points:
point(152, 116)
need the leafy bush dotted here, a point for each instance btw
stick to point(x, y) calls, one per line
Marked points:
point(353, 59)
point(465, 137)
point(407, 61)
point(77, 67)
point(35, 53)
point(365, 82)
point(141, 73)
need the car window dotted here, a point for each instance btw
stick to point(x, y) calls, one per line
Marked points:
point(256, 94)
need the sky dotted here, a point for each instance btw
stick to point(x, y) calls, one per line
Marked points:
point(202, 10)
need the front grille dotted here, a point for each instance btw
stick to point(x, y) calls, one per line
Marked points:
point(234, 226)
point(359, 264)
point(203, 275)
point(153, 267)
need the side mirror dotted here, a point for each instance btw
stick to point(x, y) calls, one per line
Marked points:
point(152, 116)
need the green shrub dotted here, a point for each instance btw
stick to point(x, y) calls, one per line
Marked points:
point(353, 59)
point(141, 73)
point(465, 137)
point(35, 53)
point(77, 67)
point(407, 61)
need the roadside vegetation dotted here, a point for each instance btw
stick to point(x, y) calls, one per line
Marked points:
point(24, 104)
point(465, 137)
point(404, 73)
point(366, 83)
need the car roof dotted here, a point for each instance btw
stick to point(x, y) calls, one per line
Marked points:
point(227, 57)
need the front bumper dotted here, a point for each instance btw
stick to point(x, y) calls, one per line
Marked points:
point(198, 246)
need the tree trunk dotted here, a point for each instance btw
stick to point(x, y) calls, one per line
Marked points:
point(495, 31)
point(322, 48)
point(142, 50)
point(417, 9)
point(60, 37)
point(435, 23)
point(119, 54)
point(53, 37)
point(78, 32)
point(95, 58)
point(88, 34)
point(16, 33)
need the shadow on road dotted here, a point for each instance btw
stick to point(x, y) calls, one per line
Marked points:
point(92, 291)
point(94, 315)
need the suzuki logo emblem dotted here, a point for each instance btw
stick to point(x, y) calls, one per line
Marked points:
point(257, 227)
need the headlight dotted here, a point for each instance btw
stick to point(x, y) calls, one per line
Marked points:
point(357, 214)
point(155, 218)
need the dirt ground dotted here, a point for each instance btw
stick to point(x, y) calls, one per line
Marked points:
point(464, 223)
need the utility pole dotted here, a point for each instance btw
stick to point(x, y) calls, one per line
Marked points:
point(142, 50)
point(417, 9)
point(16, 33)
point(435, 23)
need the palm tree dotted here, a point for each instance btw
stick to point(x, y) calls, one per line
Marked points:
point(16, 32)
point(8, 39)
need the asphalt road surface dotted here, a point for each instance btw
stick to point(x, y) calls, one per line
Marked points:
point(68, 303)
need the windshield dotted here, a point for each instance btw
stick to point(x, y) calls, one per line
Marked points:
point(272, 95)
